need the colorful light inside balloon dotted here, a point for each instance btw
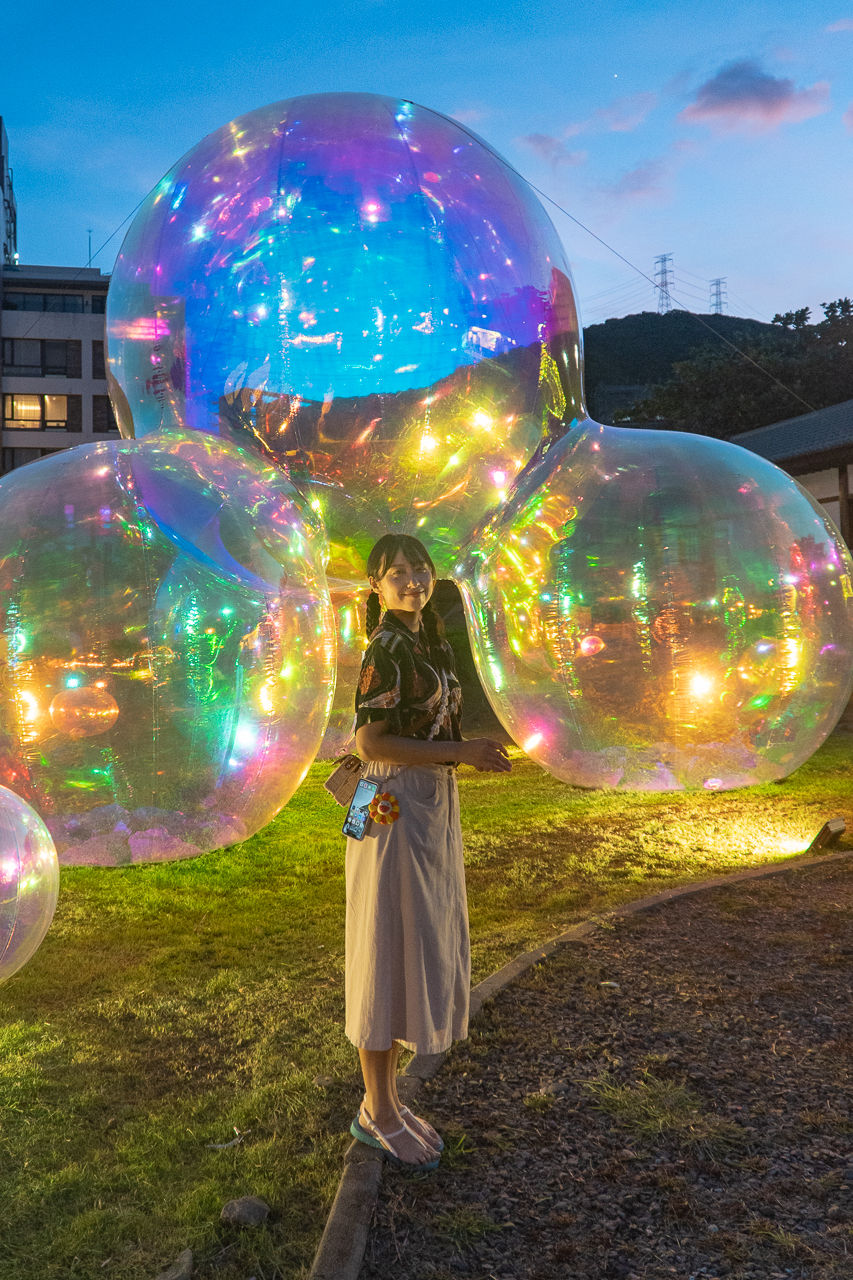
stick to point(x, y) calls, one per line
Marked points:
point(167, 642)
point(29, 882)
point(81, 712)
point(362, 289)
point(659, 611)
point(590, 646)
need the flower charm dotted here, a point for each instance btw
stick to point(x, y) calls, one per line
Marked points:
point(384, 808)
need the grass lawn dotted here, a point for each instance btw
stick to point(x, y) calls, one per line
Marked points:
point(173, 1008)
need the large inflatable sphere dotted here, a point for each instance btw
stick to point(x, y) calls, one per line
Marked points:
point(167, 645)
point(362, 290)
point(661, 611)
point(29, 882)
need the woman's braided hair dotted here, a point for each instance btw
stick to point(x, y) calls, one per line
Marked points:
point(380, 560)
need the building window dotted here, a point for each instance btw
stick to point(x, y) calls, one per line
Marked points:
point(22, 413)
point(99, 304)
point(103, 418)
point(42, 413)
point(22, 356)
point(13, 301)
point(35, 357)
point(23, 301)
point(11, 459)
point(62, 358)
point(98, 366)
point(63, 302)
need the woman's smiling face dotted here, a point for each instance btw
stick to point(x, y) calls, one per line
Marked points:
point(405, 588)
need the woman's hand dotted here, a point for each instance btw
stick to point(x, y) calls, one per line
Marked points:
point(483, 754)
point(373, 742)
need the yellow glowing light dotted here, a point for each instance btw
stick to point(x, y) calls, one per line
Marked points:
point(701, 686)
point(787, 844)
point(533, 741)
point(33, 710)
point(420, 503)
point(428, 443)
point(265, 698)
point(482, 419)
point(516, 560)
point(790, 651)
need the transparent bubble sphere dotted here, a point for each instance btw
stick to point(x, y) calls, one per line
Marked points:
point(362, 289)
point(660, 611)
point(29, 882)
point(167, 645)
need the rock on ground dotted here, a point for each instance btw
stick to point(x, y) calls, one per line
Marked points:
point(247, 1211)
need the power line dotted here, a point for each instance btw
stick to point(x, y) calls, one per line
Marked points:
point(751, 311)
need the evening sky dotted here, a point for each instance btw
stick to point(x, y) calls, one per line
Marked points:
point(720, 134)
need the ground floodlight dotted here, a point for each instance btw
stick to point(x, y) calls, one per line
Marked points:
point(829, 834)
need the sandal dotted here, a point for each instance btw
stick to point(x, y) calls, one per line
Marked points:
point(364, 1129)
point(427, 1134)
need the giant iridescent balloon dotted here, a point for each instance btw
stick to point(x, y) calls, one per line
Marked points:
point(29, 882)
point(655, 610)
point(167, 645)
point(361, 288)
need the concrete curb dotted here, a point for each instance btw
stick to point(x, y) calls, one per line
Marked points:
point(340, 1254)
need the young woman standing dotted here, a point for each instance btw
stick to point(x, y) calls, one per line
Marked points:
point(408, 964)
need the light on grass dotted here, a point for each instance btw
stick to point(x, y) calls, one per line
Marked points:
point(789, 844)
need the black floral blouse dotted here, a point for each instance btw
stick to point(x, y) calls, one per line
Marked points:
point(401, 682)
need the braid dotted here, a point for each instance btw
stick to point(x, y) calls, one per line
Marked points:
point(371, 613)
point(433, 626)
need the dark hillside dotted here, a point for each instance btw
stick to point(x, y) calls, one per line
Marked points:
point(637, 352)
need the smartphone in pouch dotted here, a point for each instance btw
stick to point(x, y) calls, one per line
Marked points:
point(355, 823)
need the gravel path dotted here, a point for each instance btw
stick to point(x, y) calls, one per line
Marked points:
point(669, 1097)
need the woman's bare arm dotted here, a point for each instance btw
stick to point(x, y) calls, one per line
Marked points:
point(374, 742)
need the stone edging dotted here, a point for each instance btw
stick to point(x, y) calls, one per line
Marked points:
point(340, 1254)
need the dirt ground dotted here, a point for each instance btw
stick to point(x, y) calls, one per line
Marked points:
point(667, 1098)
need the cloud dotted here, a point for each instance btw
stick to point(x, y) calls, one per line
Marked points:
point(622, 116)
point(843, 24)
point(554, 150)
point(645, 181)
point(469, 115)
point(848, 117)
point(743, 96)
point(651, 179)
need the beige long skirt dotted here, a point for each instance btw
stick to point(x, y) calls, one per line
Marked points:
point(408, 957)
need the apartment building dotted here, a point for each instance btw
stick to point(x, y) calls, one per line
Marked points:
point(8, 208)
point(52, 370)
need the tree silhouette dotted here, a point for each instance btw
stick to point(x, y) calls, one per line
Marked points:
point(722, 392)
